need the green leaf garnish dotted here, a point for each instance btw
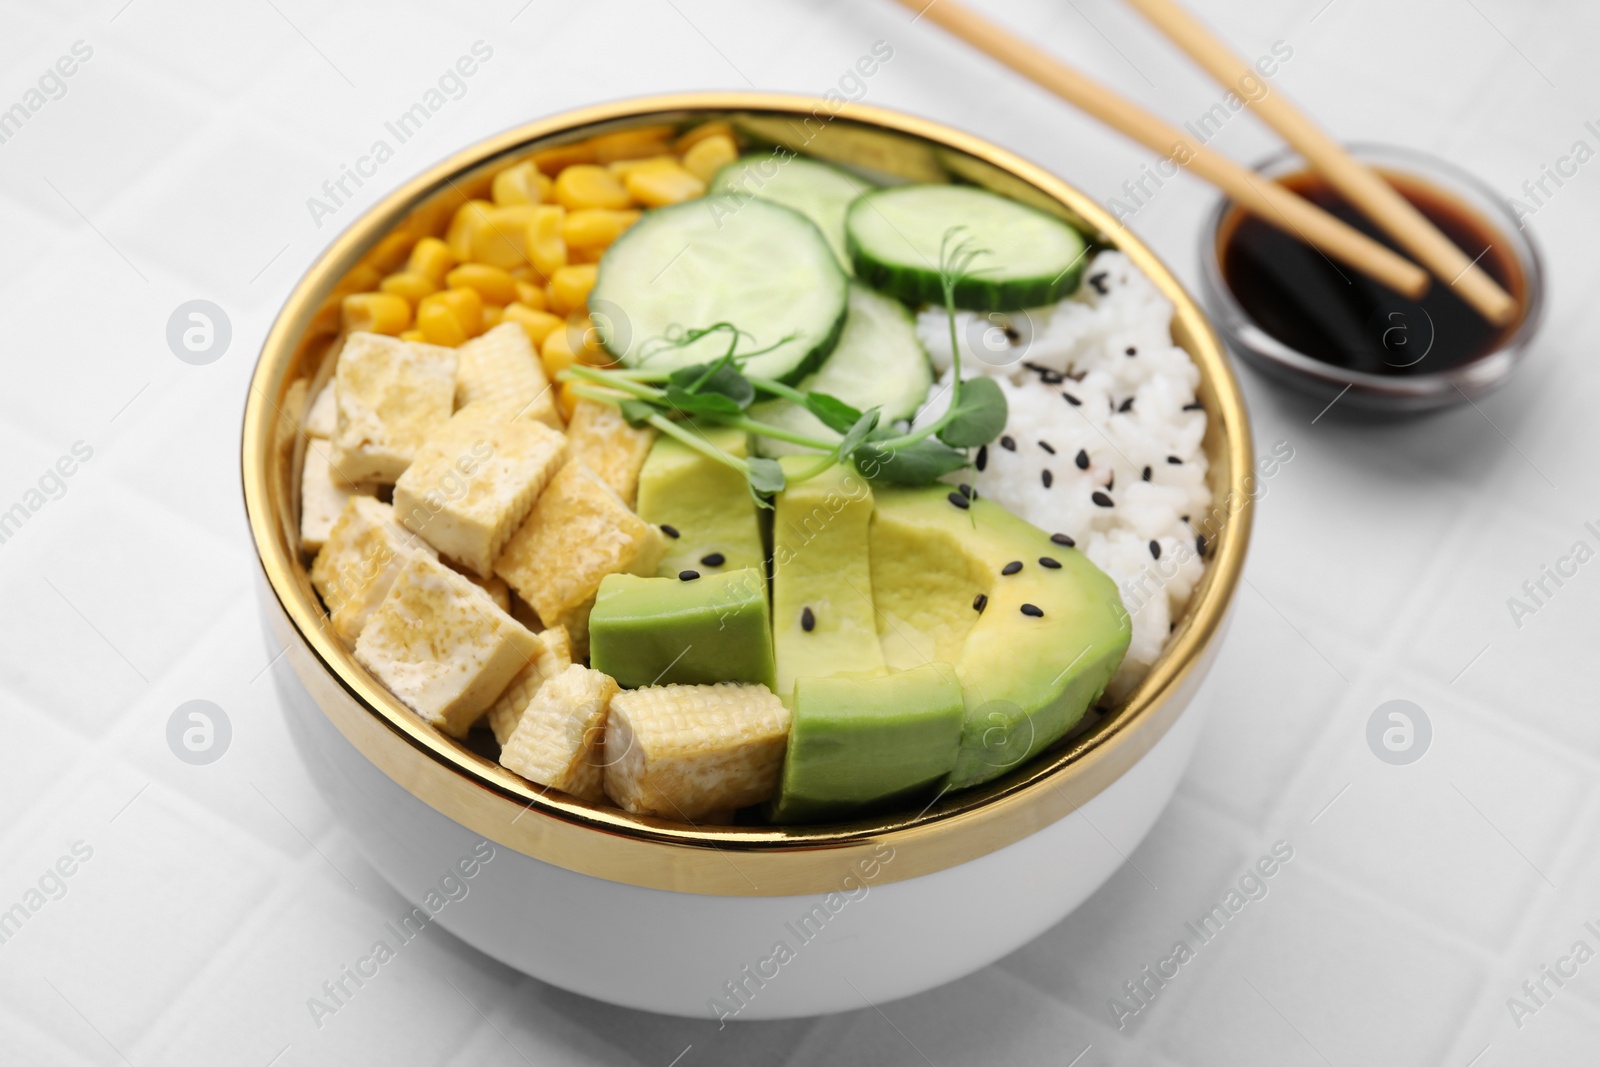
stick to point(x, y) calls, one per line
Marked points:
point(857, 434)
point(919, 463)
point(765, 475)
point(978, 417)
point(834, 413)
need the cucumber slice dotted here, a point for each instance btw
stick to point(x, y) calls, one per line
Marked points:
point(820, 192)
point(878, 362)
point(895, 237)
point(751, 263)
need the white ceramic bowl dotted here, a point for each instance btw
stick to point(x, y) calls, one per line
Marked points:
point(738, 922)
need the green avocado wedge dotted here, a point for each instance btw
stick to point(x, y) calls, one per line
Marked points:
point(701, 504)
point(1033, 650)
point(862, 742)
point(666, 631)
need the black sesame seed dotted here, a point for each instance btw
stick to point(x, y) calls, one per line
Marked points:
point(1130, 350)
point(1155, 549)
point(1011, 333)
point(1200, 544)
point(688, 576)
point(1196, 406)
point(1032, 612)
point(1099, 282)
point(1011, 568)
point(1047, 478)
point(1146, 475)
point(1185, 518)
point(713, 559)
point(1050, 562)
point(959, 501)
point(1062, 539)
point(808, 620)
point(1051, 377)
point(980, 602)
point(1101, 499)
point(1048, 447)
point(1175, 461)
point(1008, 444)
point(670, 531)
point(965, 490)
point(1082, 459)
point(1074, 401)
point(1126, 405)
point(983, 458)
point(1111, 482)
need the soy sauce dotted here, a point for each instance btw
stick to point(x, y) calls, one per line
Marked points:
point(1340, 317)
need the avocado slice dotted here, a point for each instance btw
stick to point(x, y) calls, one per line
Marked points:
point(861, 742)
point(823, 621)
point(1033, 650)
point(664, 631)
point(702, 505)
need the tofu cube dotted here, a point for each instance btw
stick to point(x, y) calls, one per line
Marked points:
point(323, 495)
point(498, 592)
point(473, 481)
point(555, 656)
point(322, 417)
point(390, 395)
point(501, 367)
point(687, 751)
point(578, 532)
point(442, 647)
point(600, 437)
point(558, 741)
point(353, 571)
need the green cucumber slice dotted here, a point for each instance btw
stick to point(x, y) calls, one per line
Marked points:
point(751, 263)
point(878, 362)
point(895, 237)
point(820, 192)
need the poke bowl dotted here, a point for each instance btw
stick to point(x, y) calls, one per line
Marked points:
point(741, 555)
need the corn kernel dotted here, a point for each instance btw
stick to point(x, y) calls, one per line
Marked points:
point(546, 248)
point(555, 160)
point(586, 185)
point(690, 138)
point(584, 337)
point(710, 155)
point(531, 295)
point(492, 283)
point(585, 255)
point(501, 240)
point(622, 167)
point(536, 323)
point(661, 182)
point(520, 184)
point(492, 314)
point(595, 227)
point(567, 400)
point(409, 284)
point(569, 288)
point(465, 306)
point(376, 313)
point(470, 219)
point(438, 326)
point(631, 144)
point(556, 352)
point(413, 335)
point(432, 259)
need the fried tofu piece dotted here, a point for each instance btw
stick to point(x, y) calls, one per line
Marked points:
point(554, 657)
point(501, 367)
point(473, 481)
point(357, 564)
point(390, 395)
point(442, 647)
point(498, 592)
point(578, 532)
point(600, 437)
point(322, 417)
point(323, 495)
point(688, 751)
point(559, 738)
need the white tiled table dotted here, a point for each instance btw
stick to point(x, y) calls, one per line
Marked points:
point(218, 898)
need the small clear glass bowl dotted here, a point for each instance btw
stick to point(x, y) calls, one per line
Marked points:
point(1361, 393)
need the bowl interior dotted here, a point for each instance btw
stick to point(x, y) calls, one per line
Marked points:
point(471, 788)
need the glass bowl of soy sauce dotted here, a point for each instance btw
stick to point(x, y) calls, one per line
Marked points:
point(1322, 329)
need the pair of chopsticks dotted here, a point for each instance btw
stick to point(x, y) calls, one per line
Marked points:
point(1262, 197)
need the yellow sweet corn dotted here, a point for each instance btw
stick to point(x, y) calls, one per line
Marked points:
point(585, 340)
point(595, 227)
point(464, 308)
point(413, 335)
point(567, 400)
point(659, 182)
point(520, 184)
point(492, 314)
point(466, 224)
point(432, 259)
point(535, 322)
point(438, 326)
point(547, 250)
point(376, 313)
point(587, 185)
point(556, 352)
point(502, 239)
point(569, 288)
point(491, 283)
point(585, 255)
point(555, 160)
point(532, 295)
point(409, 284)
point(631, 144)
point(690, 138)
point(622, 167)
point(709, 155)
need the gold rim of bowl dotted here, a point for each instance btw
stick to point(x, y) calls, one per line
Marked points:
point(721, 860)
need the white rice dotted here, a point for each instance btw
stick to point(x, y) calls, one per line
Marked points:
point(1080, 347)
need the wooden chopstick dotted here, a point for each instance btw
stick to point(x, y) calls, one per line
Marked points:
point(1359, 183)
point(1264, 198)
